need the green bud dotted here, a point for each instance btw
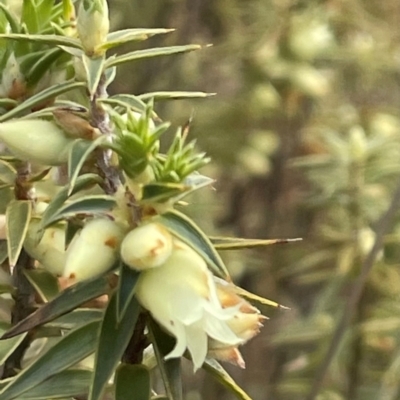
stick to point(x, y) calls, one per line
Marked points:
point(93, 25)
point(36, 140)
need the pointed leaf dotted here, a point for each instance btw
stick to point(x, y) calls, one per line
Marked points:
point(12, 19)
point(132, 382)
point(29, 16)
point(148, 53)
point(170, 369)
point(257, 299)
point(114, 338)
point(66, 301)
point(227, 243)
point(126, 289)
point(53, 40)
point(8, 346)
point(118, 38)
point(160, 192)
point(41, 97)
point(94, 68)
point(71, 349)
point(92, 204)
point(42, 66)
point(78, 317)
point(126, 101)
point(65, 384)
point(219, 373)
point(159, 96)
point(79, 153)
point(82, 182)
point(44, 283)
point(18, 215)
point(186, 230)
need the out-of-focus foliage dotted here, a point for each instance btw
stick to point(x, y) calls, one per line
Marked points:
point(307, 127)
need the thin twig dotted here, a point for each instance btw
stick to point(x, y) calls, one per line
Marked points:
point(382, 228)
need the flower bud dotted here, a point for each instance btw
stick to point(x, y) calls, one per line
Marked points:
point(50, 251)
point(13, 83)
point(36, 140)
point(147, 246)
point(93, 25)
point(93, 250)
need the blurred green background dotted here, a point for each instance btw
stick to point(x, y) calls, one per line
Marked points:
point(305, 138)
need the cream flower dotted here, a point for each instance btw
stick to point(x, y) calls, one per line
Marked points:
point(182, 296)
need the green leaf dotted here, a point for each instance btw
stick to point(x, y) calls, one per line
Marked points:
point(39, 69)
point(12, 19)
point(69, 383)
point(160, 192)
point(114, 338)
point(92, 204)
point(126, 101)
point(170, 369)
point(71, 349)
point(257, 299)
point(30, 16)
point(52, 40)
point(7, 172)
point(79, 153)
point(228, 243)
point(148, 53)
point(94, 68)
point(45, 284)
point(67, 300)
point(82, 182)
point(8, 346)
point(219, 373)
point(132, 382)
point(186, 230)
point(118, 38)
point(18, 215)
point(78, 317)
point(159, 96)
point(126, 289)
point(40, 98)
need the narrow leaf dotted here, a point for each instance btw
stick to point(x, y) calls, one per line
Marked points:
point(71, 349)
point(8, 346)
point(171, 369)
point(227, 243)
point(160, 192)
point(126, 289)
point(159, 96)
point(132, 382)
point(78, 317)
point(118, 38)
point(18, 215)
point(53, 40)
point(219, 373)
point(65, 384)
point(186, 230)
point(12, 19)
point(126, 101)
point(79, 153)
point(61, 197)
point(42, 66)
point(148, 53)
point(66, 301)
point(114, 337)
point(257, 299)
point(92, 204)
point(44, 283)
point(94, 68)
point(41, 97)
